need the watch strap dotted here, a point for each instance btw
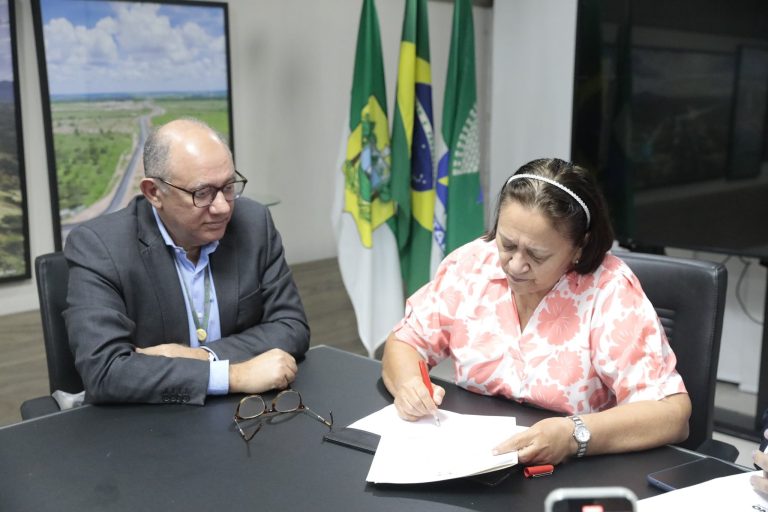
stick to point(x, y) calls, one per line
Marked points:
point(581, 445)
point(211, 354)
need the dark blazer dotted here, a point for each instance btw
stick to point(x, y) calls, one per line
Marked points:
point(124, 292)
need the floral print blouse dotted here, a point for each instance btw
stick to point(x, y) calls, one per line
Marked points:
point(593, 342)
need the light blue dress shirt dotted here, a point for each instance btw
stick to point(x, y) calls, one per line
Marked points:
point(192, 278)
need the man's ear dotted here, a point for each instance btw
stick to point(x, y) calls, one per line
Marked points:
point(151, 191)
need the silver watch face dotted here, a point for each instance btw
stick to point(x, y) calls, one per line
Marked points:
point(581, 434)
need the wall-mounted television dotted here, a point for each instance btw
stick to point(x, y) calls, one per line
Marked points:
point(670, 110)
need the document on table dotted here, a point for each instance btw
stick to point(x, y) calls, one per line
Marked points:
point(421, 451)
point(731, 493)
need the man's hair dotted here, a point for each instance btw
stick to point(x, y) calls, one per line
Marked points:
point(595, 237)
point(157, 149)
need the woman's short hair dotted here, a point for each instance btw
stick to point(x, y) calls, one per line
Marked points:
point(593, 232)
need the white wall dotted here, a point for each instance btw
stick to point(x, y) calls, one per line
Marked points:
point(292, 72)
point(532, 85)
point(291, 64)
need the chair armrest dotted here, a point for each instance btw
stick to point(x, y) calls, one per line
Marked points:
point(36, 407)
point(719, 449)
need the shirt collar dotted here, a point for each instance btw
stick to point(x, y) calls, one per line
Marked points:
point(204, 250)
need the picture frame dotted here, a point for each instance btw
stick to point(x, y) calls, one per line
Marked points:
point(110, 70)
point(14, 222)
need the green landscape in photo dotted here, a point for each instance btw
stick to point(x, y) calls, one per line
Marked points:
point(213, 111)
point(13, 258)
point(92, 140)
point(95, 142)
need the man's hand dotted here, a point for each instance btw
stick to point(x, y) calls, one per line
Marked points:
point(174, 350)
point(274, 369)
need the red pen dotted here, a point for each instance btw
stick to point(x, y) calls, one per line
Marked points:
point(428, 383)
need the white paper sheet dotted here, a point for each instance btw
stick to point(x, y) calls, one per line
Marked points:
point(727, 494)
point(421, 451)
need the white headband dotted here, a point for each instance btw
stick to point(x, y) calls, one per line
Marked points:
point(558, 185)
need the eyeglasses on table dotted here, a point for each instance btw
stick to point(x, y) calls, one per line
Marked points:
point(288, 401)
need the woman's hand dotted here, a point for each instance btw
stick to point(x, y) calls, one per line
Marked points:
point(412, 399)
point(402, 377)
point(550, 441)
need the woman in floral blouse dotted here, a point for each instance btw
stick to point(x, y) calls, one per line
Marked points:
point(539, 312)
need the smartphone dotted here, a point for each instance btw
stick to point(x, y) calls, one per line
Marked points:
point(591, 499)
point(692, 473)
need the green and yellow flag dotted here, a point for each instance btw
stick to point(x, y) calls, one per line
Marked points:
point(413, 149)
point(363, 213)
point(367, 172)
point(459, 206)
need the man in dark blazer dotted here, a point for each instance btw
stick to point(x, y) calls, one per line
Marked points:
point(186, 291)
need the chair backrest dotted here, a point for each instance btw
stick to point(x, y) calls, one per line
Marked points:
point(689, 297)
point(52, 274)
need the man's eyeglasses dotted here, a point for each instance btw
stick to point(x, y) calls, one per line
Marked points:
point(203, 197)
point(286, 402)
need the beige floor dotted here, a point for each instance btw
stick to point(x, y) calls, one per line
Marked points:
point(23, 372)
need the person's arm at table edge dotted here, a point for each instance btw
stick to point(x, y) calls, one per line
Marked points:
point(284, 323)
point(638, 425)
point(625, 428)
point(402, 378)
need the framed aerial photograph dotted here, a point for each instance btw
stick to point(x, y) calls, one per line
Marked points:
point(14, 231)
point(110, 70)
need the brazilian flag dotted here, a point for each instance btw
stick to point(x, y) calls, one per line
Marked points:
point(413, 149)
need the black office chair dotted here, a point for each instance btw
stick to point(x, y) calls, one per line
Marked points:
point(689, 297)
point(52, 274)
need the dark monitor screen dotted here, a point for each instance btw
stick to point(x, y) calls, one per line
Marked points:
point(670, 109)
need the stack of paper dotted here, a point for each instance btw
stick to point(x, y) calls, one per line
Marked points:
point(729, 493)
point(422, 451)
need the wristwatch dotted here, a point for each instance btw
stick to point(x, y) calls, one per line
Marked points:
point(211, 354)
point(581, 434)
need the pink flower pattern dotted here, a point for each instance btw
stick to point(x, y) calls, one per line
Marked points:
point(565, 368)
point(593, 342)
point(558, 321)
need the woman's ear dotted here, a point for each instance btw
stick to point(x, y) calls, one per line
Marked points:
point(580, 249)
point(585, 241)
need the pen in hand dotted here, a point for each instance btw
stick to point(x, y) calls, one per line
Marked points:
point(428, 384)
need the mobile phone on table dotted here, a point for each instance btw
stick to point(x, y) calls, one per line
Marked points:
point(692, 473)
point(591, 499)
